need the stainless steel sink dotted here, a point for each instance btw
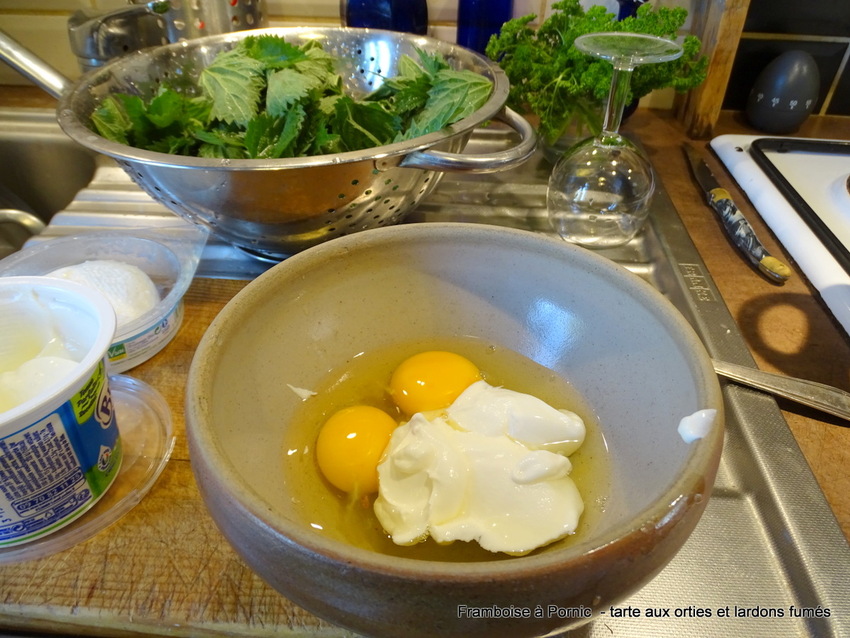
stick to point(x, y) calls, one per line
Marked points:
point(42, 169)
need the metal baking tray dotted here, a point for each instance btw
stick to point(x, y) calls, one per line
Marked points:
point(768, 544)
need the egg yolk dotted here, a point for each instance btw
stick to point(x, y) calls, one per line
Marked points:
point(431, 380)
point(350, 445)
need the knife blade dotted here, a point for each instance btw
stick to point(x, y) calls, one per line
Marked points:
point(734, 223)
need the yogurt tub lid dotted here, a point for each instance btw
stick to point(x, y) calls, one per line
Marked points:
point(55, 296)
point(147, 436)
point(169, 256)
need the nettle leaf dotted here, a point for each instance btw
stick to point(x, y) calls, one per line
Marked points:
point(285, 88)
point(313, 134)
point(292, 127)
point(325, 143)
point(411, 95)
point(320, 65)
point(111, 119)
point(137, 111)
point(406, 92)
point(173, 145)
point(268, 137)
point(364, 124)
point(272, 51)
point(455, 95)
point(165, 109)
point(261, 134)
point(408, 69)
point(221, 142)
point(431, 63)
point(221, 137)
point(233, 82)
point(327, 104)
point(468, 91)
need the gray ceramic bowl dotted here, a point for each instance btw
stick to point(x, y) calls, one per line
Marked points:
point(623, 346)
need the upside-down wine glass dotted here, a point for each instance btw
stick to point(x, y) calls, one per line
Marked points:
point(600, 189)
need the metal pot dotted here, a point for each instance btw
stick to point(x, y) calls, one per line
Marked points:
point(274, 208)
point(97, 38)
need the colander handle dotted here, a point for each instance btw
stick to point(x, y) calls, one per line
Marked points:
point(485, 163)
point(31, 66)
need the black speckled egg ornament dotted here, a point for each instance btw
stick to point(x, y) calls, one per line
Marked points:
point(784, 93)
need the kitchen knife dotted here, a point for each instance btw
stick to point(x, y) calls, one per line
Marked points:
point(736, 225)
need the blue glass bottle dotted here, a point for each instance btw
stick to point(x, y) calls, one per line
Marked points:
point(628, 8)
point(410, 16)
point(477, 20)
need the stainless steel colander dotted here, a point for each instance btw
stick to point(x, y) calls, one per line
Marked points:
point(275, 208)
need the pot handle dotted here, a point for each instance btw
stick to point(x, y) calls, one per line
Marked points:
point(485, 163)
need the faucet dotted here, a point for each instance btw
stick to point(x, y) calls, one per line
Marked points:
point(98, 38)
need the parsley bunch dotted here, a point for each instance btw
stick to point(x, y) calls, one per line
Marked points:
point(560, 84)
point(267, 98)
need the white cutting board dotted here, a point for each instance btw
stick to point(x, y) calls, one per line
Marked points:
point(822, 183)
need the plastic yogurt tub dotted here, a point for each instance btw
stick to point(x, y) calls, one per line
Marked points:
point(170, 260)
point(59, 450)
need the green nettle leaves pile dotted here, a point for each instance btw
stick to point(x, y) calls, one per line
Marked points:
point(267, 98)
point(561, 85)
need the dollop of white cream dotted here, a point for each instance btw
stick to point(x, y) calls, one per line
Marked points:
point(33, 378)
point(482, 473)
point(697, 425)
point(34, 356)
point(493, 411)
point(127, 287)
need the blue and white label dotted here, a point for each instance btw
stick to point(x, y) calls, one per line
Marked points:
point(54, 469)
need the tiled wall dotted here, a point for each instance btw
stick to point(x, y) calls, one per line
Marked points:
point(41, 25)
